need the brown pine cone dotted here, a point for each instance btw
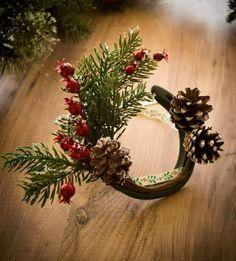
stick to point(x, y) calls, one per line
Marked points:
point(110, 162)
point(189, 110)
point(202, 145)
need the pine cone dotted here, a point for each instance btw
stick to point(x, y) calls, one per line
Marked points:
point(202, 145)
point(189, 110)
point(110, 162)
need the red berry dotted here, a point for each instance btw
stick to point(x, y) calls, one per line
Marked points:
point(66, 143)
point(86, 156)
point(72, 85)
point(65, 69)
point(82, 129)
point(73, 106)
point(80, 152)
point(59, 137)
point(66, 192)
point(130, 69)
point(159, 56)
point(139, 56)
point(74, 151)
point(75, 154)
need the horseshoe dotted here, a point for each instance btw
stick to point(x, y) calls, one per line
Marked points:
point(130, 188)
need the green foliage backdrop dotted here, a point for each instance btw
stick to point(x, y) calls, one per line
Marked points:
point(29, 29)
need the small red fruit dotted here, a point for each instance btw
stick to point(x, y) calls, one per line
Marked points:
point(65, 69)
point(139, 56)
point(67, 191)
point(82, 129)
point(80, 152)
point(130, 69)
point(73, 106)
point(66, 143)
point(86, 155)
point(159, 56)
point(75, 153)
point(72, 85)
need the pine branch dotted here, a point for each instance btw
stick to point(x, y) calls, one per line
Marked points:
point(110, 96)
point(41, 186)
point(46, 171)
point(35, 158)
point(66, 125)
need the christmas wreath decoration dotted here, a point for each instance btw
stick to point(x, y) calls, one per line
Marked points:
point(105, 92)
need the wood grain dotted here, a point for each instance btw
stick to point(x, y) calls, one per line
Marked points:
point(197, 223)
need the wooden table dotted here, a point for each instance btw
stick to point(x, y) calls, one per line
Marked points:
point(197, 223)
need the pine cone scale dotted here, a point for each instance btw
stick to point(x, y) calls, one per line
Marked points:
point(202, 145)
point(189, 110)
point(110, 162)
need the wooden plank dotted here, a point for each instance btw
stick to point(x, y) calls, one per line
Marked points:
point(198, 223)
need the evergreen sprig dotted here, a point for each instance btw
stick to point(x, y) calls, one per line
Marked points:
point(110, 96)
point(35, 158)
point(66, 125)
point(44, 185)
point(41, 186)
point(45, 171)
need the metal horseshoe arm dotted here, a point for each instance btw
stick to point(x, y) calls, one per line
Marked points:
point(130, 188)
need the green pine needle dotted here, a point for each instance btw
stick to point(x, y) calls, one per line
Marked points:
point(35, 158)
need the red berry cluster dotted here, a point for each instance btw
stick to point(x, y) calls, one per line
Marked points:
point(65, 142)
point(75, 150)
point(138, 56)
point(66, 70)
point(74, 107)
